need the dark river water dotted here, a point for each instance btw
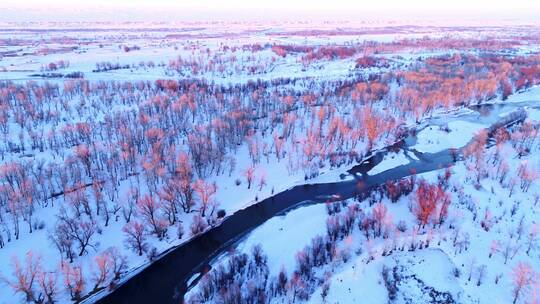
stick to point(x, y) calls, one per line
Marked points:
point(165, 280)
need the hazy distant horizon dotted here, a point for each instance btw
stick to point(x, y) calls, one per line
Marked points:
point(525, 11)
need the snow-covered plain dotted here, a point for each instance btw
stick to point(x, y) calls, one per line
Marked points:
point(391, 160)
point(470, 258)
point(25, 63)
point(434, 138)
point(286, 235)
point(358, 282)
point(156, 57)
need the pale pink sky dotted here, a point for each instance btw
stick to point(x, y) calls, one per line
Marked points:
point(43, 9)
point(285, 4)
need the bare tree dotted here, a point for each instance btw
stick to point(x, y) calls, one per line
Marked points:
point(79, 230)
point(481, 274)
point(73, 280)
point(135, 236)
point(25, 277)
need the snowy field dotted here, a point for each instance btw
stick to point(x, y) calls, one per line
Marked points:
point(456, 135)
point(485, 248)
point(391, 160)
point(119, 144)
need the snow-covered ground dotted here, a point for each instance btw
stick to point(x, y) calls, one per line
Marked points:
point(472, 257)
point(436, 138)
point(391, 160)
point(283, 236)
point(358, 282)
point(217, 58)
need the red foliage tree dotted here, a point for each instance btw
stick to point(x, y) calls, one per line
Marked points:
point(206, 192)
point(379, 215)
point(523, 276)
point(26, 276)
point(73, 280)
point(149, 209)
point(430, 199)
point(102, 270)
point(250, 175)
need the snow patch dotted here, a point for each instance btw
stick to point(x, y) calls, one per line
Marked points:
point(391, 160)
point(433, 139)
point(281, 237)
point(533, 114)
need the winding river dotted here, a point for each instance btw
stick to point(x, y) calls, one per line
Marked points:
point(166, 279)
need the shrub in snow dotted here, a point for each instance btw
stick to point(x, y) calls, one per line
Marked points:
point(152, 254)
point(198, 225)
